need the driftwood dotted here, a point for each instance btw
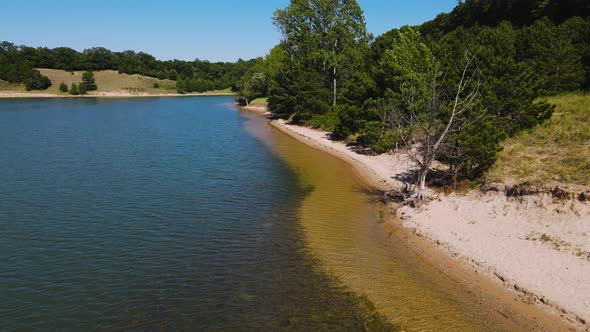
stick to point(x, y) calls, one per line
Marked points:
point(405, 196)
point(521, 190)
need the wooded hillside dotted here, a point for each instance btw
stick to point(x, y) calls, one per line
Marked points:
point(450, 90)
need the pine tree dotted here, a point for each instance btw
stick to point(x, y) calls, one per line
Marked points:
point(74, 89)
point(82, 89)
point(88, 82)
point(63, 87)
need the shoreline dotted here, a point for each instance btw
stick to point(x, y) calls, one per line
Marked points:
point(106, 94)
point(509, 247)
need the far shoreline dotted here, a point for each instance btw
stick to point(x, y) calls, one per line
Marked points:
point(107, 94)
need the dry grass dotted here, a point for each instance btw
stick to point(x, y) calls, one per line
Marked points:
point(6, 86)
point(110, 81)
point(259, 102)
point(556, 153)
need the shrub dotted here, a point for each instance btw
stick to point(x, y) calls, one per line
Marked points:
point(82, 89)
point(63, 87)
point(74, 89)
point(350, 120)
point(36, 81)
point(327, 121)
point(156, 85)
point(375, 137)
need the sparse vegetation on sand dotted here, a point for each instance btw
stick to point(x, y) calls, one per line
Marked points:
point(263, 102)
point(556, 152)
point(110, 81)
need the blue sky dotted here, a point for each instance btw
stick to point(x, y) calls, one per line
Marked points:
point(219, 30)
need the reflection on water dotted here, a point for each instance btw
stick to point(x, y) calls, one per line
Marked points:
point(153, 215)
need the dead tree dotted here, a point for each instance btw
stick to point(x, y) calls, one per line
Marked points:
point(424, 120)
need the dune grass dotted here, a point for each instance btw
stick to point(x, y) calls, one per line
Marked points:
point(6, 86)
point(259, 102)
point(227, 91)
point(556, 153)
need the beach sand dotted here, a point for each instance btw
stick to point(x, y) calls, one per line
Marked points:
point(534, 246)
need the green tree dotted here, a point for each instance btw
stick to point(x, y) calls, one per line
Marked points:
point(63, 87)
point(548, 50)
point(424, 107)
point(88, 83)
point(36, 81)
point(82, 89)
point(324, 35)
point(74, 89)
point(254, 86)
point(180, 85)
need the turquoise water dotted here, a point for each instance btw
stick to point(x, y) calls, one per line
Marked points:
point(152, 214)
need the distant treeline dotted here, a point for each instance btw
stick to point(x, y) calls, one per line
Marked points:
point(17, 65)
point(472, 77)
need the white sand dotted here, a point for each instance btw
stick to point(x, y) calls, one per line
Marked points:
point(536, 246)
point(381, 170)
point(256, 109)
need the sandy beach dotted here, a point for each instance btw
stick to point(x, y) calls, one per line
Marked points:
point(536, 247)
point(256, 109)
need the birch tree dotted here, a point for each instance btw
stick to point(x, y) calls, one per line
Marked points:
point(324, 35)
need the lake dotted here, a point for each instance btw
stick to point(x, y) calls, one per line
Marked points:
point(186, 214)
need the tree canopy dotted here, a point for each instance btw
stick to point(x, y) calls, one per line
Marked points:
point(324, 41)
point(327, 72)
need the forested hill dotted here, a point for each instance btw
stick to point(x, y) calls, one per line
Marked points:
point(518, 12)
point(17, 65)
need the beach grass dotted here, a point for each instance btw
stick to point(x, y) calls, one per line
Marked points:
point(259, 102)
point(6, 86)
point(556, 153)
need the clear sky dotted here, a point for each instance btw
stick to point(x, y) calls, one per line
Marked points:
point(215, 30)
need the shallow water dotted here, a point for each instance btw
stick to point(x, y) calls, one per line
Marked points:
point(344, 230)
point(184, 214)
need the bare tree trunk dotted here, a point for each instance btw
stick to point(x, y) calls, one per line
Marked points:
point(334, 88)
point(422, 183)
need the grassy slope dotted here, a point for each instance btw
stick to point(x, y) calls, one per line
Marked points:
point(555, 153)
point(10, 86)
point(110, 80)
point(259, 102)
point(107, 81)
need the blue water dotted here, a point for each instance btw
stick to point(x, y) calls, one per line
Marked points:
point(151, 214)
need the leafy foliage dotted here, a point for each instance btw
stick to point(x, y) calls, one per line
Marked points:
point(36, 81)
point(74, 89)
point(522, 49)
point(323, 45)
point(63, 87)
point(88, 83)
